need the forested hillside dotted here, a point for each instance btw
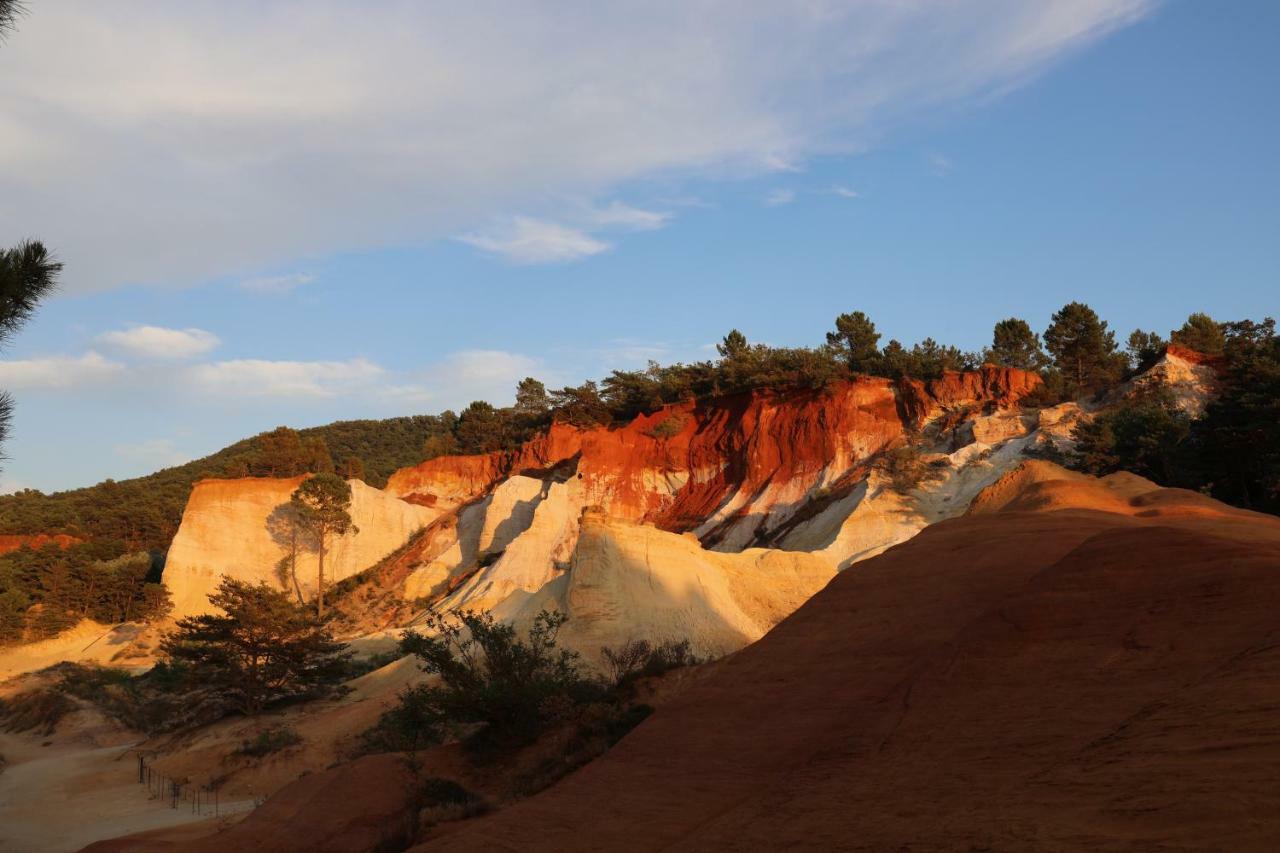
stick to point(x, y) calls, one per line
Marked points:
point(142, 514)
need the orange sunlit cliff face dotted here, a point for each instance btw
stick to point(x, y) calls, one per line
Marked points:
point(714, 466)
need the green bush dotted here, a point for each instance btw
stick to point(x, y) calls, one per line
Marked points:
point(640, 659)
point(268, 741)
point(414, 723)
point(510, 688)
point(1144, 436)
point(668, 427)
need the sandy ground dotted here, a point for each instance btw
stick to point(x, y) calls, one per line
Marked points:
point(119, 645)
point(55, 799)
point(83, 786)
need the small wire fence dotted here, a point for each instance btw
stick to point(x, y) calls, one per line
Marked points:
point(178, 793)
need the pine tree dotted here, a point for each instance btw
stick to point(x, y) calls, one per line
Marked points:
point(322, 503)
point(27, 275)
point(316, 456)
point(1082, 348)
point(352, 468)
point(1144, 349)
point(1013, 344)
point(857, 339)
point(280, 453)
point(1201, 333)
point(734, 345)
point(258, 649)
point(531, 398)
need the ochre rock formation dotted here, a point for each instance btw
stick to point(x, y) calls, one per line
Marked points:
point(735, 471)
point(630, 581)
point(727, 467)
point(239, 528)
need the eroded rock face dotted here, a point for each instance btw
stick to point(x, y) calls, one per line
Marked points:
point(630, 581)
point(729, 469)
point(239, 528)
point(1193, 378)
point(733, 471)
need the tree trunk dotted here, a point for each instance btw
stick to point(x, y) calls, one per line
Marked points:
point(293, 566)
point(320, 582)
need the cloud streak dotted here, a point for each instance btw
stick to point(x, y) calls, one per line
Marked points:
point(525, 240)
point(159, 342)
point(227, 137)
point(252, 377)
point(277, 284)
point(59, 372)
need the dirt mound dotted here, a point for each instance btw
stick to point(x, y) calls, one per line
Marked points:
point(1078, 677)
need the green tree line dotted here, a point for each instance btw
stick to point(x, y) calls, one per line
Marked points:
point(44, 591)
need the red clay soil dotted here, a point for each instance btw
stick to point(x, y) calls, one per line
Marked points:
point(767, 446)
point(1063, 678)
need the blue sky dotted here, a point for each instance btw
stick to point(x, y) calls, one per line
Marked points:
point(289, 217)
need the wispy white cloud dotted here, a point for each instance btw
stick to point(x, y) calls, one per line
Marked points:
point(844, 192)
point(940, 164)
point(253, 377)
point(277, 284)
point(469, 375)
point(779, 197)
point(453, 381)
point(152, 454)
point(525, 240)
point(232, 136)
point(622, 215)
point(159, 342)
point(59, 372)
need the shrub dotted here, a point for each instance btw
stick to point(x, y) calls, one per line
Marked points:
point(40, 710)
point(668, 427)
point(641, 659)
point(511, 688)
point(906, 469)
point(1143, 436)
point(414, 723)
point(268, 741)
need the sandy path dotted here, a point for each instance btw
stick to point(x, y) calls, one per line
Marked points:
point(71, 798)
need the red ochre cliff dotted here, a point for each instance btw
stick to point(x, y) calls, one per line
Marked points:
point(706, 466)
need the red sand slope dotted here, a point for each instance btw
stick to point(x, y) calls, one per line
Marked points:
point(1039, 675)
